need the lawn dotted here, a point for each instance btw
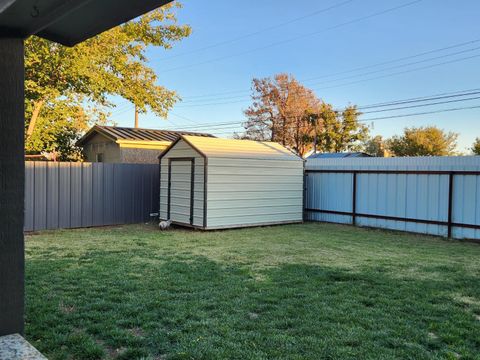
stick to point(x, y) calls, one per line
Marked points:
point(311, 291)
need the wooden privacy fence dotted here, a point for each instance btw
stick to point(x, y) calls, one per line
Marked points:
point(74, 195)
point(424, 199)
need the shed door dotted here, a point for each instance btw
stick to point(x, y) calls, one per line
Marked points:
point(181, 190)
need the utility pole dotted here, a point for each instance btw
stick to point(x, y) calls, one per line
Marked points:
point(136, 117)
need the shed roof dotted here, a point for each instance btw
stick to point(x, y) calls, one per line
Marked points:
point(136, 134)
point(339, 155)
point(242, 149)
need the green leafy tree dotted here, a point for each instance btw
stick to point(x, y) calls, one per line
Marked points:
point(340, 131)
point(74, 85)
point(424, 141)
point(376, 146)
point(476, 146)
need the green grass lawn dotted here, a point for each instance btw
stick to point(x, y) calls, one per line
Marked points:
point(311, 291)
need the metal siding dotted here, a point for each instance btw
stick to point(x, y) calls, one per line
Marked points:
point(40, 199)
point(52, 196)
point(248, 192)
point(109, 193)
point(70, 195)
point(319, 186)
point(29, 194)
point(180, 191)
point(401, 195)
point(87, 192)
point(64, 194)
point(76, 195)
point(183, 150)
point(98, 196)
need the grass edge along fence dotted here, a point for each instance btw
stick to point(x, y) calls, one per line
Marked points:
point(62, 195)
point(429, 195)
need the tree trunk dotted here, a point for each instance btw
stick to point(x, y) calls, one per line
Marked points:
point(37, 106)
point(136, 117)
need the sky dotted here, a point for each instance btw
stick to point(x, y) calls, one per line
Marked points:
point(358, 52)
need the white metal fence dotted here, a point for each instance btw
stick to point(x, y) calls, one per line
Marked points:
point(431, 195)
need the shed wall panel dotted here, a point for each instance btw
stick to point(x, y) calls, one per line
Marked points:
point(245, 192)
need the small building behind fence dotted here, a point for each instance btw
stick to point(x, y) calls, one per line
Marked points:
point(112, 144)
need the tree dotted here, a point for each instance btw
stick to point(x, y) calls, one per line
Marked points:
point(376, 146)
point(341, 130)
point(285, 111)
point(423, 141)
point(279, 112)
point(476, 146)
point(75, 82)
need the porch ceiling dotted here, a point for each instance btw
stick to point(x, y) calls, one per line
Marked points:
point(68, 21)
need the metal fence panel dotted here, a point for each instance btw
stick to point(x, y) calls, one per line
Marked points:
point(433, 195)
point(73, 195)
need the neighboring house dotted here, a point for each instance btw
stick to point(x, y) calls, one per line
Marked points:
point(338, 155)
point(111, 144)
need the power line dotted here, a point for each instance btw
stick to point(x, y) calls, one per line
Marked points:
point(422, 105)
point(194, 101)
point(424, 98)
point(403, 65)
point(198, 97)
point(361, 80)
point(422, 113)
point(445, 95)
point(349, 83)
point(239, 38)
point(392, 116)
point(401, 72)
point(379, 13)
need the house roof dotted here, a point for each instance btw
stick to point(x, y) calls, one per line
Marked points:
point(339, 155)
point(241, 149)
point(68, 22)
point(115, 133)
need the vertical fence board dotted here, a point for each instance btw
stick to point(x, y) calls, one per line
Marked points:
point(87, 190)
point(72, 195)
point(52, 196)
point(108, 193)
point(40, 199)
point(76, 195)
point(29, 196)
point(64, 196)
point(98, 197)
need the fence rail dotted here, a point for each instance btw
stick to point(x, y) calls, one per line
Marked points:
point(74, 195)
point(441, 195)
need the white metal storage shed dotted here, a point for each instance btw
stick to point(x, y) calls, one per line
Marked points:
point(213, 183)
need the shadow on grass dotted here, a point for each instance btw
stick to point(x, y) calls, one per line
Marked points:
point(126, 306)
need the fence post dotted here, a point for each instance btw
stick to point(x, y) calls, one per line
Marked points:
point(450, 203)
point(354, 199)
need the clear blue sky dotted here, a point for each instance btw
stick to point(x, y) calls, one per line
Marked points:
point(234, 41)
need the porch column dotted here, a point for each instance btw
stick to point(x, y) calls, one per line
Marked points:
point(12, 178)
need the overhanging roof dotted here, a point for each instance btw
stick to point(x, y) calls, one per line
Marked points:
point(116, 133)
point(237, 149)
point(68, 22)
